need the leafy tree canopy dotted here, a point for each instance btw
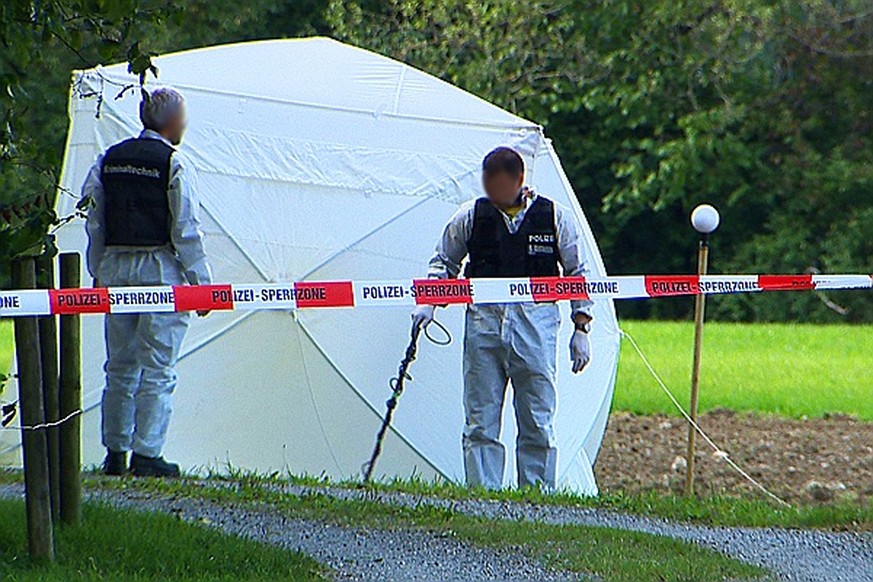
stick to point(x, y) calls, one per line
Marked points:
point(761, 107)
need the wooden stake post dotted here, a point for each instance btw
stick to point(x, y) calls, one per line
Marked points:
point(699, 307)
point(70, 400)
point(48, 344)
point(40, 538)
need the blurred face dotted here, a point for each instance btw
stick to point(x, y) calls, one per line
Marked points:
point(502, 188)
point(175, 128)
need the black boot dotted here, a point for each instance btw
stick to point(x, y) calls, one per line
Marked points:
point(115, 463)
point(142, 466)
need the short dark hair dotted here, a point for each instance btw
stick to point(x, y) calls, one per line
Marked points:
point(503, 159)
point(157, 108)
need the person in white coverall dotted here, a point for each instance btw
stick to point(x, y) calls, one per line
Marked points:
point(144, 229)
point(512, 232)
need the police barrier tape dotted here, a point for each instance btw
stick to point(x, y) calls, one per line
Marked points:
point(314, 294)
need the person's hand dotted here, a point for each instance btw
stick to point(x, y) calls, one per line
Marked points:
point(203, 312)
point(580, 350)
point(422, 316)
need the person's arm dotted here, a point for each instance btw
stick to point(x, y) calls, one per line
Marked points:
point(92, 189)
point(574, 261)
point(185, 230)
point(448, 256)
point(451, 249)
point(575, 264)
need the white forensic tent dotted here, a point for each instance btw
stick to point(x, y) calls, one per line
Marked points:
point(322, 161)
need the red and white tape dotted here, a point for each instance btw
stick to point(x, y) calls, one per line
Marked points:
point(313, 294)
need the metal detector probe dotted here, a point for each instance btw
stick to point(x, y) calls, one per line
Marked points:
point(397, 384)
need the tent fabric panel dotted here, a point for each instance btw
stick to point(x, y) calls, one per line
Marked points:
point(285, 409)
point(299, 70)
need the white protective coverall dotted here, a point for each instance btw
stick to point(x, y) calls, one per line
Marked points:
point(516, 342)
point(142, 349)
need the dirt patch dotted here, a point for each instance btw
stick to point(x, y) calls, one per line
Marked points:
point(803, 461)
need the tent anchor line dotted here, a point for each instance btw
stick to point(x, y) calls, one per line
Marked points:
point(722, 454)
point(397, 385)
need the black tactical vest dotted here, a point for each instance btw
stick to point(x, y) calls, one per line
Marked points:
point(531, 252)
point(136, 180)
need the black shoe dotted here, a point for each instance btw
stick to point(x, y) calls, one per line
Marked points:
point(153, 467)
point(115, 463)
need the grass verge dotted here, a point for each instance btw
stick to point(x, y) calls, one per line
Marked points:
point(714, 510)
point(122, 545)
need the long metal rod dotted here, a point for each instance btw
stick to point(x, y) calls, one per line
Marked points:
point(699, 309)
point(397, 385)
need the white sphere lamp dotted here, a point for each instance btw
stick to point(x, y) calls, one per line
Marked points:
point(705, 219)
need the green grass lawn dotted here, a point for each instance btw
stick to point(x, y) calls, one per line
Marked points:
point(6, 348)
point(791, 370)
point(124, 545)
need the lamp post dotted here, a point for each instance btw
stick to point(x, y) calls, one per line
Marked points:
point(705, 220)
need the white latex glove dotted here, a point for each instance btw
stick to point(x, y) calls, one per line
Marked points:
point(422, 316)
point(580, 351)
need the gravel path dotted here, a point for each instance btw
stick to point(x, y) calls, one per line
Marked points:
point(807, 555)
point(352, 553)
point(365, 554)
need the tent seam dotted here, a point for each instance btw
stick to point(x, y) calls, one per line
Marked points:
point(528, 125)
point(354, 388)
